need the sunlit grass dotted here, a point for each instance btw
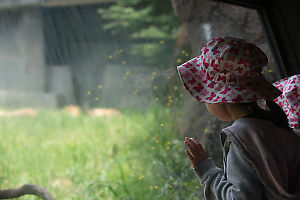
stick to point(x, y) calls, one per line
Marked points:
point(135, 155)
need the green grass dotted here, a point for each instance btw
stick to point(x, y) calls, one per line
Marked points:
point(137, 155)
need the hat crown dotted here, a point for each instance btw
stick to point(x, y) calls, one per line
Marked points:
point(228, 58)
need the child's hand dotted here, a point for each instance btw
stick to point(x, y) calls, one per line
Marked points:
point(195, 152)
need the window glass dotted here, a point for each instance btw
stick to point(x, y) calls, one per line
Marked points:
point(91, 103)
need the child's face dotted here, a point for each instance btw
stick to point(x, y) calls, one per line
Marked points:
point(219, 110)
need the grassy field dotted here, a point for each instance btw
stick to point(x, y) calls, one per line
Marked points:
point(135, 155)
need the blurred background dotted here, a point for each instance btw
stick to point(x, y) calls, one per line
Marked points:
point(91, 105)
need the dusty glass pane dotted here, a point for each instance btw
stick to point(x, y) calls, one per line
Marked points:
point(91, 103)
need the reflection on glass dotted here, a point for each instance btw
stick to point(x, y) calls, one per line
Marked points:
point(91, 103)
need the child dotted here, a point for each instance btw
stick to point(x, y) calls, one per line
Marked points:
point(261, 155)
point(289, 101)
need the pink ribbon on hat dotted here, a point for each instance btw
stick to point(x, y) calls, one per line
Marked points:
point(289, 101)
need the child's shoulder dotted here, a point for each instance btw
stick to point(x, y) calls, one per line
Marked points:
point(245, 125)
point(253, 130)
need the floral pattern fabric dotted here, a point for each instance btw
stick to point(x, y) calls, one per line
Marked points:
point(289, 101)
point(227, 71)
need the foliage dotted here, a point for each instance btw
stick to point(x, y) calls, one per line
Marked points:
point(150, 25)
point(135, 155)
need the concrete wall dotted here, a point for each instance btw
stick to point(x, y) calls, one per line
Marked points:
point(25, 79)
point(22, 65)
point(60, 83)
point(24, 37)
point(20, 99)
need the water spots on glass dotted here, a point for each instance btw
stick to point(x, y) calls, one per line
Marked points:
point(170, 101)
point(153, 75)
point(127, 73)
point(152, 80)
point(136, 91)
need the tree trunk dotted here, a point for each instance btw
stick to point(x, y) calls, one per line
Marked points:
point(204, 20)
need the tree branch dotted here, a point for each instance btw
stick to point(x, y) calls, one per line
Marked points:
point(24, 190)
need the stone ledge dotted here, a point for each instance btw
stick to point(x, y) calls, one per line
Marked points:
point(19, 99)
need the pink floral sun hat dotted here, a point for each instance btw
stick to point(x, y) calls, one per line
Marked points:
point(227, 71)
point(289, 101)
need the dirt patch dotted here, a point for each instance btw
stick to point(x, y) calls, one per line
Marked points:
point(61, 183)
point(73, 110)
point(19, 112)
point(101, 112)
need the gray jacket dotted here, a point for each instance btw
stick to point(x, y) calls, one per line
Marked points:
point(261, 161)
